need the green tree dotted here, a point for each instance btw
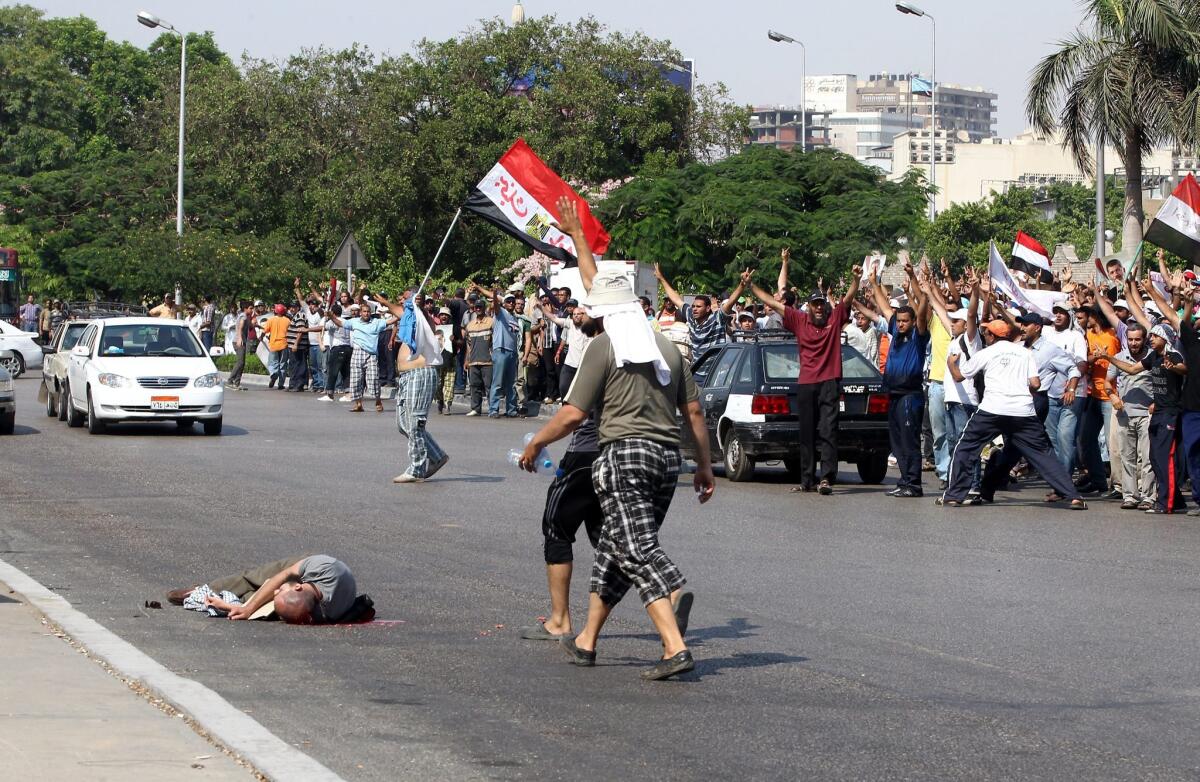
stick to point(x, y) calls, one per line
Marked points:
point(705, 222)
point(1131, 82)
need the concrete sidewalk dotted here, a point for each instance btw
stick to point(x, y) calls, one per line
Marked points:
point(64, 717)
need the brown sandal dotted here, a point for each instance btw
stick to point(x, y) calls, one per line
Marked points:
point(378, 406)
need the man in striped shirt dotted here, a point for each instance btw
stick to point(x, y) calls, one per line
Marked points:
point(707, 325)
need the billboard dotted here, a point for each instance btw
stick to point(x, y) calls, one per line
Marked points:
point(837, 93)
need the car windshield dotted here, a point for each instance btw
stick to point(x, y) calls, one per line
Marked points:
point(149, 340)
point(781, 364)
point(72, 336)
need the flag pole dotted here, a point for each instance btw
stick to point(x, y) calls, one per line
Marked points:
point(441, 247)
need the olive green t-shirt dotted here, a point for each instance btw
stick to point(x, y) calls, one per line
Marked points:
point(630, 400)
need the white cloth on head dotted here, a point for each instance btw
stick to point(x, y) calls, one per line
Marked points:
point(632, 337)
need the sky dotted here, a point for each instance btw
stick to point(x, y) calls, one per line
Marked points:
point(978, 43)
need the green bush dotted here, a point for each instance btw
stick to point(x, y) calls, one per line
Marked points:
point(253, 365)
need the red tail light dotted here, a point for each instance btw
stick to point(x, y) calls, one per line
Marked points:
point(764, 404)
point(877, 403)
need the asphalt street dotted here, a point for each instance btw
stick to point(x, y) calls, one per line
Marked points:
point(846, 637)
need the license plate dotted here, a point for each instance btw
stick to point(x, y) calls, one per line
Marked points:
point(164, 403)
point(841, 405)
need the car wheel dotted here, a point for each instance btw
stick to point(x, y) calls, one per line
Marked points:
point(873, 467)
point(739, 466)
point(14, 365)
point(74, 417)
point(95, 425)
point(63, 396)
point(8, 423)
point(212, 426)
point(51, 407)
point(184, 423)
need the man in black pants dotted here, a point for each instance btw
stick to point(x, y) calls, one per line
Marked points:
point(1167, 370)
point(819, 342)
point(903, 376)
point(1010, 376)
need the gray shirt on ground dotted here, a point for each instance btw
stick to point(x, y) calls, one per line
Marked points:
point(335, 581)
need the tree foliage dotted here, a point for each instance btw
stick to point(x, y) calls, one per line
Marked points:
point(288, 156)
point(705, 222)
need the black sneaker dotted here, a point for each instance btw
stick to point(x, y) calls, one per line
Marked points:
point(672, 666)
point(580, 657)
point(894, 492)
point(825, 488)
point(908, 491)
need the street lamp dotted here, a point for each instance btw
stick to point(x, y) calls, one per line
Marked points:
point(150, 20)
point(518, 13)
point(912, 10)
point(781, 38)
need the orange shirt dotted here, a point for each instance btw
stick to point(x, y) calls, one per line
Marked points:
point(1099, 374)
point(275, 330)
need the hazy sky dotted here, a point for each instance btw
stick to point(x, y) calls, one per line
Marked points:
point(979, 43)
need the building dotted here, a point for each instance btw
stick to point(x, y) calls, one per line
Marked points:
point(780, 126)
point(968, 109)
point(969, 171)
point(867, 135)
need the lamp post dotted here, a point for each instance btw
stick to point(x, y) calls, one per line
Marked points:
point(912, 10)
point(150, 20)
point(518, 13)
point(781, 38)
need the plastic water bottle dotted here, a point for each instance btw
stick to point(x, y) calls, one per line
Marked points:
point(543, 464)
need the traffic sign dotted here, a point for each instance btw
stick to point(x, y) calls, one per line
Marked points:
point(349, 255)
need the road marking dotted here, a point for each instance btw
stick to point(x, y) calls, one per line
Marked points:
point(269, 754)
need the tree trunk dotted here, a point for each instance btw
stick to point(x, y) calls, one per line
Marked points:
point(1132, 216)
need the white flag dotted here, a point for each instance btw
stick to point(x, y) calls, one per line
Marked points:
point(1003, 281)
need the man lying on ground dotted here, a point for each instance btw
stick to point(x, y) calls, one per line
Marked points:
point(317, 589)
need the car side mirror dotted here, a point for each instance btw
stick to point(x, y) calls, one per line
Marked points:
point(47, 349)
point(215, 351)
point(81, 350)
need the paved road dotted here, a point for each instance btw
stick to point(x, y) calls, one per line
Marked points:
point(837, 638)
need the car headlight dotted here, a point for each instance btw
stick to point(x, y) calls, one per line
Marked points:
point(211, 380)
point(6, 385)
point(112, 381)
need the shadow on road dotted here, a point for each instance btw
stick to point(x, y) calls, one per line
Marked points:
point(735, 629)
point(715, 665)
point(19, 429)
point(168, 430)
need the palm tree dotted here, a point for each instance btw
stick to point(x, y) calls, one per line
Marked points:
point(1133, 81)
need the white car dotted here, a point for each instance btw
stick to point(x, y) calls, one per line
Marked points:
point(8, 400)
point(27, 354)
point(142, 369)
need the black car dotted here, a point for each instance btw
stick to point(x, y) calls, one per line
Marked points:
point(748, 393)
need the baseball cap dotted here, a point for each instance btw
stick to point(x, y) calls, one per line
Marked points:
point(1032, 319)
point(445, 311)
point(258, 302)
point(571, 303)
point(958, 314)
point(998, 327)
point(747, 315)
point(280, 309)
point(1060, 307)
point(1121, 303)
point(817, 296)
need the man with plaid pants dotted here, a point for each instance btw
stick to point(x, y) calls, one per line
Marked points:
point(364, 360)
point(636, 381)
point(418, 363)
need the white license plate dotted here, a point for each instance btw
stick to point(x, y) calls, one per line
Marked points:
point(842, 406)
point(164, 403)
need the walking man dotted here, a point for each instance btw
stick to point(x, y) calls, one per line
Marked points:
point(245, 340)
point(418, 364)
point(479, 354)
point(638, 382)
point(29, 313)
point(818, 335)
point(275, 332)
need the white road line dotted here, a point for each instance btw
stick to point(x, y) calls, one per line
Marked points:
point(269, 754)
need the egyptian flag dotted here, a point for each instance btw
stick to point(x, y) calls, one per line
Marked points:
point(518, 196)
point(1030, 257)
point(1176, 227)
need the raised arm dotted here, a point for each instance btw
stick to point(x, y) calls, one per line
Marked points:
point(570, 224)
point(785, 255)
point(1134, 297)
point(768, 299)
point(1167, 310)
point(852, 291)
point(929, 288)
point(881, 302)
point(727, 305)
point(672, 294)
point(920, 300)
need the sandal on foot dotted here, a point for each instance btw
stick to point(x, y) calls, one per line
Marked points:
point(540, 633)
point(580, 657)
point(671, 666)
point(1078, 505)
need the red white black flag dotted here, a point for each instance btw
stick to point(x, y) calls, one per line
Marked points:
point(518, 196)
point(1030, 257)
point(1176, 227)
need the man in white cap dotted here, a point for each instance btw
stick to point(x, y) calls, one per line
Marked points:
point(636, 381)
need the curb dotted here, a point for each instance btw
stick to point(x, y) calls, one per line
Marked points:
point(258, 381)
point(266, 752)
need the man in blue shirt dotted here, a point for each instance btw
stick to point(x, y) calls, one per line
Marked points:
point(506, 332)
point(903, 376)
point(364, 360)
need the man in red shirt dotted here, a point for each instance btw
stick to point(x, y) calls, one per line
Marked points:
point(819, 343)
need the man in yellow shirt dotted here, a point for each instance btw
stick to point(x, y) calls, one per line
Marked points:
point(275, 334)
point(939, 345)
